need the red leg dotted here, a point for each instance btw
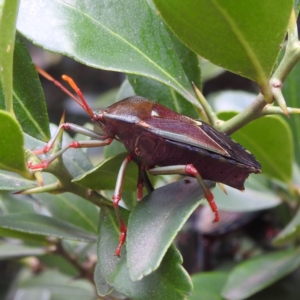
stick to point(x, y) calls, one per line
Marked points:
point(75, 144)
point(192, 171)
point(116, 199)
point(122, 225)
point(70, 127)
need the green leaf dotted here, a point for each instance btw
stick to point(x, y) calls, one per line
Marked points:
point(39, 224)
point(12, 156)
point(60, 263)
point(104, 175)
point(125, 90)
point(10, 204)
point(12, 181)
point(291, 94)
point(290, 233)
point(158, 92)
point(59, 286)
point(170, 279)
point(33, 294)
point(256, 196)
point(125, 36)
point(8, 16)
point(254, 275)
point(208, 285)
point(14, 251)
point(24, 236)
point(72, 209)
point(29, 101)
point(114, 149)
point(103, 288)
point(286, 288)
point(231, 34)
point(152, 225)
point(272, 148)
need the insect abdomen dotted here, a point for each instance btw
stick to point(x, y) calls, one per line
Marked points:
point(156, 151)
point(210, 165)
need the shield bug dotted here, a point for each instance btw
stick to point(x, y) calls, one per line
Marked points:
point(160, 141)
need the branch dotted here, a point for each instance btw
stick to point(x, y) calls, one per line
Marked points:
point(252, 112)
point(85, 269)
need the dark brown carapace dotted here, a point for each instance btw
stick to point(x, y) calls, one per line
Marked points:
point(160, 141)
point(158, 136)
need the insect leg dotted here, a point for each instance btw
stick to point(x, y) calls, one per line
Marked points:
point(116, 199)
point(192, 171)
point(70, 127)
point(99, 141)
point(148, 185)
point(75, 144)
point(143, 180)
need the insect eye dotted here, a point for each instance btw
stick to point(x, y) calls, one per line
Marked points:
point(97, 116)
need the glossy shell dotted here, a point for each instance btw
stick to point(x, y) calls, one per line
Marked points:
point(158, 136)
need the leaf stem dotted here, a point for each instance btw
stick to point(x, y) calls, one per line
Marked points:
point(275, 110)
point(66, 185)
point(292, 52)
point(252, 112)
point(207, 114)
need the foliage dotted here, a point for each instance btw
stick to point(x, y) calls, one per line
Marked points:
point(158, 45)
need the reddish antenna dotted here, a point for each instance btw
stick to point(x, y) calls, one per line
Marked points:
point(81, 101)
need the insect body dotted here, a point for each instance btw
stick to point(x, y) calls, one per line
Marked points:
point(157, 136)
point(163, 142)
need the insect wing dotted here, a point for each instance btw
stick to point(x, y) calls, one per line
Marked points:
point(202, 136)
point(182, 132)
point(236, 151)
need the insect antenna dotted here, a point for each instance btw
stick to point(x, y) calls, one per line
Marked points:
point(80, 101)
